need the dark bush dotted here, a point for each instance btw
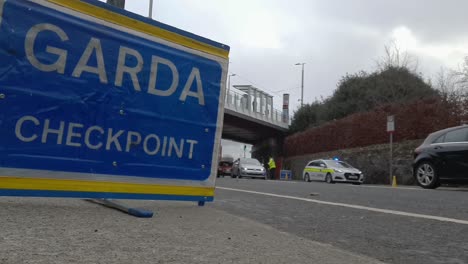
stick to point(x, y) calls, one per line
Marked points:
point(414, 120)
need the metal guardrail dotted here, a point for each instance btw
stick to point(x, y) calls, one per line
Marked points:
point(258, 109)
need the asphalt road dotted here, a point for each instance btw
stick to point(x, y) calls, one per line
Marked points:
point(393, 225)
point(251, 221)
point(58, 231)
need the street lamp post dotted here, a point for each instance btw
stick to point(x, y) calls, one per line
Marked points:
point(228, 87)
point(150, 9)
point(229, 81)
point(302, 83)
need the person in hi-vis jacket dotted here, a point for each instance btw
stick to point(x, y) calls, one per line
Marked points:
point(272, 167)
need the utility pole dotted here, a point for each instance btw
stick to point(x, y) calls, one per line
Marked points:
point(229, 81)
point(302, 86)
point(150, 15)
point(302, 82)
point(117, 3)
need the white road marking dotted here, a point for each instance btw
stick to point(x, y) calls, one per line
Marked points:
point(269, 181)
point(359, 207)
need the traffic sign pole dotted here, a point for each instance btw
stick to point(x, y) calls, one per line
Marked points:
point(391, 157)
point(390, 130)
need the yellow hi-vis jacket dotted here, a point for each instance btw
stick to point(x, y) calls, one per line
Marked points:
point(271, 164)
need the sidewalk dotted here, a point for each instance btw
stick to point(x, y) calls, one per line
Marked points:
point(59, 231)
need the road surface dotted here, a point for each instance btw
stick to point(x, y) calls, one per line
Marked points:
point(393, 225)
point(251, 221)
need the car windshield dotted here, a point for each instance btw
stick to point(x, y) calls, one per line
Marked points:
point(250, 161)
point(338, 164)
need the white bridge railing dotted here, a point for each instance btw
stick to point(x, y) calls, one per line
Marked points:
point(258, 108)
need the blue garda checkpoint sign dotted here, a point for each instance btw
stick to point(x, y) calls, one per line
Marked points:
point(98, 102)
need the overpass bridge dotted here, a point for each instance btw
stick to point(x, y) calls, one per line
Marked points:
point(250, 117)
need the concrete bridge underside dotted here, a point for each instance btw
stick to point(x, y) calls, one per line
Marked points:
point(242, 128)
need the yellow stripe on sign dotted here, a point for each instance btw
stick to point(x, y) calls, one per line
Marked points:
point(140, 26)
point(98, 186)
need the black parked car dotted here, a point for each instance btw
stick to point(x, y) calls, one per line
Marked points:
point(442, 158)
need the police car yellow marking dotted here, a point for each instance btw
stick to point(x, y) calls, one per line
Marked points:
point(318, 170)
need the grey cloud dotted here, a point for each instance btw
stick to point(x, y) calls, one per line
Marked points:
point(430, 20)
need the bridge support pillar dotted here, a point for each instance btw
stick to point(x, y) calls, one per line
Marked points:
point(266, 148)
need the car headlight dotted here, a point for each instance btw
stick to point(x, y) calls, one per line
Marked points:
point(242, 168)
point(339, 171)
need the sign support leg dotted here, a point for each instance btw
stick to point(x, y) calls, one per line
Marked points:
point(120, 207)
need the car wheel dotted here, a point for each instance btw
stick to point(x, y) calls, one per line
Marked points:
point(307, 177)
point(328, 178)
point(426, 175)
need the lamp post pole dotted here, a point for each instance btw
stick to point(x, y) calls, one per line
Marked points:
point(302, 83)
point(150, 9)
point(229, 82)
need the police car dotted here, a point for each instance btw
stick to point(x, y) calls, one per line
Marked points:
point(332, 171)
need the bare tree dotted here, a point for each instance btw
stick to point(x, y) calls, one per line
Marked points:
point(461, 75)
point(462, 89)
point(453, 87)
point(445, 81)
point(395, 57)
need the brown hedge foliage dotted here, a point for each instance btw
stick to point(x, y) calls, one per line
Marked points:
point(413, 120)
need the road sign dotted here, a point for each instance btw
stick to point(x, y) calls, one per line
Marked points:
point(390, 124)
point(101, 103)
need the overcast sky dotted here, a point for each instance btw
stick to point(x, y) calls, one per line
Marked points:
point(333, 37)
